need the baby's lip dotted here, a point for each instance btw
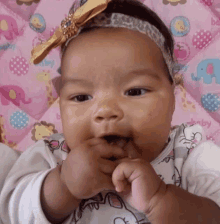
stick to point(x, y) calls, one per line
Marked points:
point(115, 139)
point(120, 142)
point(129, 147)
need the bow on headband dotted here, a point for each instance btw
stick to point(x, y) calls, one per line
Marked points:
point(68, 28)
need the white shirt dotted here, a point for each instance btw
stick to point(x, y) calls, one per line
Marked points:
point(188, 161)
point(8, 158)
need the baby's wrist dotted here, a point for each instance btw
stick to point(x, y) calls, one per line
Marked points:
point(157, 201)
point(65, 188)
point(56, 209)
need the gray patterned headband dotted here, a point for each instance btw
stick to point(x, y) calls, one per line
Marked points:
point(129, 22)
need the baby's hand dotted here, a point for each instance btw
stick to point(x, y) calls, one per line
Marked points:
point(137, 182)
point(87, 170)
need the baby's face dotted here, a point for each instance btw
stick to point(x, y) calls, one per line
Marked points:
point(115, 80)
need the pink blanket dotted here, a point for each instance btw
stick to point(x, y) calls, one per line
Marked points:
point(29, 107)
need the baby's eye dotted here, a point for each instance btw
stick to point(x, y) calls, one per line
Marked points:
point(136, 91)
point(80, 98)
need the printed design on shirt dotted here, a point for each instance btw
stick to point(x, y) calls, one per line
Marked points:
point(166, 166)
point(167, 159)
point(177, 177)
point(111, 208)
point(55, 145)
point(190, 137)
point(42, 130)
point(161, 177)
point(185, 140)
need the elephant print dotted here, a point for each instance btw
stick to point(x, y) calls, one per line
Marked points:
point(109, 209)
point(9, 27)
point(208, 69)
point(12, 93)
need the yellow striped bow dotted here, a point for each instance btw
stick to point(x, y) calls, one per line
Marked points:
point(68, 28)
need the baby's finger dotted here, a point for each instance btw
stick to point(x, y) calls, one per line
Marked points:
point(122, 185)
point(120, 176)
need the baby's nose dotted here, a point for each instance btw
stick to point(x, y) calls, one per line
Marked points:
point(108, 112)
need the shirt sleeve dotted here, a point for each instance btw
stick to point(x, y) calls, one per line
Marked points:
point(20, 196)
point(8, 158)
point(201, 171)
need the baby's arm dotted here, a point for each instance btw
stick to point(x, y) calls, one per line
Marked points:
point(21, 193)
point(57, 201)
point(36, 190)
point(86, 171)
point(199, 200)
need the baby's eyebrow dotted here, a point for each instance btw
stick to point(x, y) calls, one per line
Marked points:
point(137, 72)
point(76, 81)
point(147, 72)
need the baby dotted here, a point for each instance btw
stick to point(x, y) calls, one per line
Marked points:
point(118, 159)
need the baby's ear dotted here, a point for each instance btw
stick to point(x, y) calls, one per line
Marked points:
point(57, 84)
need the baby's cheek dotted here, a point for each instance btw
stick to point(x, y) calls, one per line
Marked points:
point(161, 109)
point(70, 116)
point(68, 112)
point(153, 117)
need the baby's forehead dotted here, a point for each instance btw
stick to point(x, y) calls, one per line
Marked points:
point(82, 57)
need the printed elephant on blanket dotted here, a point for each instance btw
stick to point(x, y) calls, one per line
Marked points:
point(208, 69)
point(13, 93)
point(9, 27)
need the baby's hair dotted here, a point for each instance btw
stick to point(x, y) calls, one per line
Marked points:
point(138, 10)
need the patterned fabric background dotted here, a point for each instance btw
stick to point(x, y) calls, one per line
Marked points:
point(29, 108)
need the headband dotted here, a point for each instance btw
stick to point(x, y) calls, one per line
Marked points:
point(90, 15)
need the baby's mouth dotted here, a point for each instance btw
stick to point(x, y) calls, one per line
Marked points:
point(116, 140)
